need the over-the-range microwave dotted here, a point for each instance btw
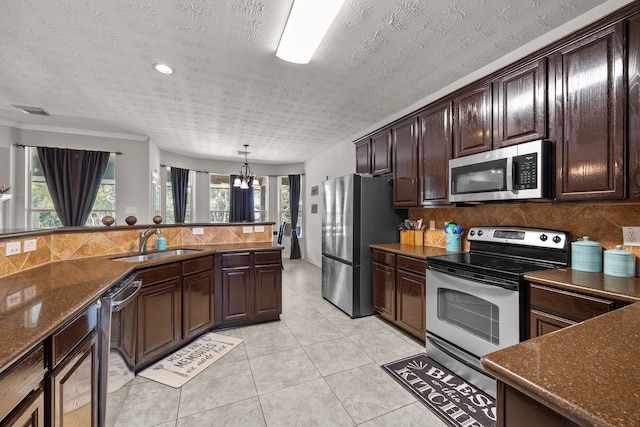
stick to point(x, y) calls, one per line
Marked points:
point(517, 172)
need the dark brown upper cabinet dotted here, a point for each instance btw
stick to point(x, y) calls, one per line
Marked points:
point(363, 156)
point(381, 148)
point(405, 163)
point(436, 146)
point(633, 58)
point(520, 102)
point(473, 125)
point(587, 103)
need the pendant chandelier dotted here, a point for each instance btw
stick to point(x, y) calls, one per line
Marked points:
point(246, 176)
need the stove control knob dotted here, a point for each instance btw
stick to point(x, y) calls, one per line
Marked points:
point(480, 233)
point(556, 239)
point(472, 232)
point(543, 237)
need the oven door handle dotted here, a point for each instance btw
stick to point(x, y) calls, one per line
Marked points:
point(458, 355)
point(479, 279)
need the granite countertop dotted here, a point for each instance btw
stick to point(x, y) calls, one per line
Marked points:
point(595, 284)
point(36, 302)
point(588, 372)
point(415, 251)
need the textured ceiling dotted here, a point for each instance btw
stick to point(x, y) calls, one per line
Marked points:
point(89, 63)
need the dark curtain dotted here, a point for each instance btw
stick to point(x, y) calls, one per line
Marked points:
point(294, 200)
point(241, 203)
point(73, 178)
point(179, 188)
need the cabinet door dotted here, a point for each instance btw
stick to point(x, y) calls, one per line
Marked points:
point(237, 294)
point(473, 121)
point(405, 163)
point(521, 105)
point(588, 116)
point(381, 149)
point(542, 323)
point(197, 303)
point(633, 85)
point(384, 290)
point(436, 146)
point(411, 314)
point(73, 387)
point(30, 413)
point(268, 290)
point(363, 156)
point(159, 320)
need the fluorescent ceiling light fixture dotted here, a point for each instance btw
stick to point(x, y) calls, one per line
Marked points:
point(163, 68)
point(308, 22)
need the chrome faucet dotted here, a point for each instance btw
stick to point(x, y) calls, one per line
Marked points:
point(144, 236)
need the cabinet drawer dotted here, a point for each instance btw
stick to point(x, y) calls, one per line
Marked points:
point(236, 259)
point(69, 336)
point(567, 304)
point(412, 264)
point(196, 265)
point(384, 257)
point(20, 380)
point(160, 273)
point(268, 257)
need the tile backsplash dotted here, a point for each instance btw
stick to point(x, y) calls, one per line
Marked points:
point(602, 223)
point(106, 241)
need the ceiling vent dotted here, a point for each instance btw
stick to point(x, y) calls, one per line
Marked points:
point(36, 111)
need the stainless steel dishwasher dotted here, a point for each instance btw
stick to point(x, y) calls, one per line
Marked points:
point(117, 325)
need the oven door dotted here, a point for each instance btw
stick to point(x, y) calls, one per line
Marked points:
point(478, 318)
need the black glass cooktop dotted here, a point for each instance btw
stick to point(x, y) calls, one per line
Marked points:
point(498, 264)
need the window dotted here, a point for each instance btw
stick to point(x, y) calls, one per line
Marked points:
point(41, 213)
point(285, 211)
point(169, 216)
point(220, 198)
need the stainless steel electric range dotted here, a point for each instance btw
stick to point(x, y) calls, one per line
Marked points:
point(474, 300)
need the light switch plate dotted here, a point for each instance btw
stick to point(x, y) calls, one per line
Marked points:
point(130, 209)
point(258, 228)
point(197, 230)
point(631, 236)
point(30, 245)
point(247, 229)
point(13, 248)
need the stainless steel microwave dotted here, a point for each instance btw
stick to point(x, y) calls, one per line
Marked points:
point(511, 173)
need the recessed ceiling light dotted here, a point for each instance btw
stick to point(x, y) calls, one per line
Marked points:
point(306, 26)
point(163, 68)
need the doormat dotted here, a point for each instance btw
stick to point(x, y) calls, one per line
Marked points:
point(451, 398)
point(178, 368)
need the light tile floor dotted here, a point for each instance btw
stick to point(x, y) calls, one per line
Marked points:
point(315, 367)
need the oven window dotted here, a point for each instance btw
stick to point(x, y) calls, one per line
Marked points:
point(476, 316)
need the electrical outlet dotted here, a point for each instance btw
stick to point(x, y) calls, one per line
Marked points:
point(258, 228)
point(29, 245)
point(247, 229)
point(197, 230)
point(13, 248)
point(432, 224)
point(631, 236)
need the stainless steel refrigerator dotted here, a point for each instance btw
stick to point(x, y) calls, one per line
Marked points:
point(358, 211)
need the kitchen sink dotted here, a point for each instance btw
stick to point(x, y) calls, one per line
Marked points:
point(156, 255)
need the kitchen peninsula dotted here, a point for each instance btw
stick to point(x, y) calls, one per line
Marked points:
point(48, 322)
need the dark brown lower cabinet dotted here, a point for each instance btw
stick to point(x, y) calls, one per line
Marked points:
point(73, 387)
point(399, 291)
point(237, 303)
point(268, 295)
point(159, 320)
point(516, 409)
point(197, 296)
point(551, 309)
point(30, 413)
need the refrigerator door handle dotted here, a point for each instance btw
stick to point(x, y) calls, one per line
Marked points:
point(335, 258)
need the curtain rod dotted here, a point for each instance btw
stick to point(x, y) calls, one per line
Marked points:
point(166, 166)
point(117, 153)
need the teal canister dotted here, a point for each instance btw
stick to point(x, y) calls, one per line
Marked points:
point(618, 262)
point(586, 255)
point(162, 241)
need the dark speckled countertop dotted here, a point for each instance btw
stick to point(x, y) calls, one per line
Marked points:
point(416, 251)
point(589, 372)
point(36, 302)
